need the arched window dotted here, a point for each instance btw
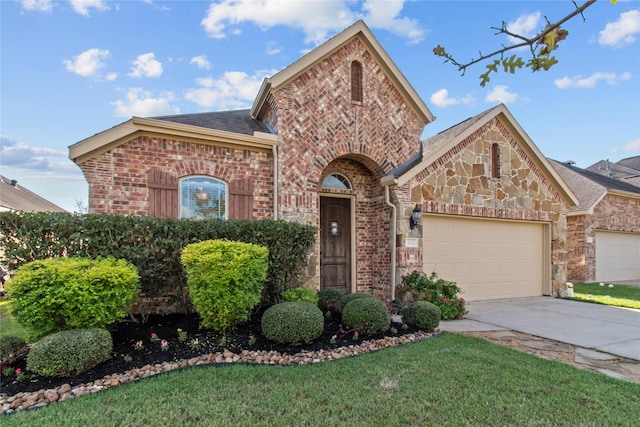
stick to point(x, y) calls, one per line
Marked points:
point(336, 181)
point(203, 197)
point(356, 81)
point(495, 160)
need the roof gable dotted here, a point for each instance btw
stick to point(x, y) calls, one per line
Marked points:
point(357, 30)
point(591, 187)
point(436, 147)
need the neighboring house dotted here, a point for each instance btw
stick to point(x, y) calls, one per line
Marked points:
point(333, 140)
point(627, 170)
point(603, 238)
point(14, 197)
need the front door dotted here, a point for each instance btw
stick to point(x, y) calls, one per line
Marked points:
point(335, 244)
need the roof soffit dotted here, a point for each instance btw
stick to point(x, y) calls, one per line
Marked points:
point(104, 141)
point(357, 30)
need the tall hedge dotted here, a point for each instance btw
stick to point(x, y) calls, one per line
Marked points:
point(153, 245)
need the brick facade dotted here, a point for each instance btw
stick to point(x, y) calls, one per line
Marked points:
point(612, 213)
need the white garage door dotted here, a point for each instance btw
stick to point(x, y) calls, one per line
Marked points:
point(617, 256)
point(488, 259)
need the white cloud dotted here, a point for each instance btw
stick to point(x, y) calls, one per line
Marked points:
point(38, 5)
point(591, 81)
point(19, 155)
point(141, 103)
point(622, 31)
point(317, 19)
point(273, 48)
point(146, 65)
point(201, 61)
point(82, 6)
point(234, 89)
point(88, 62)
point(526, 25)
point(441, 99)
point(501, 94)
point(629, 147)
point(111, 77)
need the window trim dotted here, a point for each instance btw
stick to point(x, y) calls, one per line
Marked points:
point(340, 177)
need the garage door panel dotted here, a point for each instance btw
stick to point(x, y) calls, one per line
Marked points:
point(617, 256)
point(487, 259)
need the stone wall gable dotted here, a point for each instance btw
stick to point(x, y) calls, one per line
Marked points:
point(318, 122)
point(460, 180)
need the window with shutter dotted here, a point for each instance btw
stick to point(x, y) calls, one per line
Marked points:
point(203, 197)
point(163, 194)
point(241, 199)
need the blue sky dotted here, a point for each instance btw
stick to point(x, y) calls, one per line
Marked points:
point(71, 69)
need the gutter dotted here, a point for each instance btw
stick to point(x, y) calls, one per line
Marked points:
point(388, 181)
point(274, 151)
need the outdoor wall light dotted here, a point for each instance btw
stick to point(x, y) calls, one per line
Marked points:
point(416, 214)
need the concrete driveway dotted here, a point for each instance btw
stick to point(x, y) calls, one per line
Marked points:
point(604, 328)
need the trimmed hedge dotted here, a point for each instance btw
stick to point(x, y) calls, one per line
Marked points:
point(224, 280)
point(370, 316)
point(295, 322)
point(422, 314)
point(57, 294)
point(328, 299)
point(153, 245)
point(69, 353)
point(347, 298)
point(12, 349)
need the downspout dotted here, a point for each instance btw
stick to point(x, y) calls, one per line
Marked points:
point(274, 151)
point(393, 229)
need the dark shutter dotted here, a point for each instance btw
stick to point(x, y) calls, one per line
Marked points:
point(241, 199)
point(163, 194)
point(356, 81)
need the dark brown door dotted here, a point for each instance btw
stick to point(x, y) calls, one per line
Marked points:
point(335, 244)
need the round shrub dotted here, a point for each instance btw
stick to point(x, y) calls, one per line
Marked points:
point(57, 294)
point(368, 315)
point(347, 298)
point(295, 322)
point(301, 294)
point(70, 353)
point(328, 299)
point(422, 314)
point(12, 349)
point(225, 280)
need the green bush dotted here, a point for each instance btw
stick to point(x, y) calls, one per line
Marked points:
point(70, 353)
point(443, 293)
point(295, 322)
point(301, 294)
point(369, 316)
point(347, 298)
point(69, 293)
point(422, 314)
point(12, 349)
point(224, 280)
point(328, 299)
point(153, 245)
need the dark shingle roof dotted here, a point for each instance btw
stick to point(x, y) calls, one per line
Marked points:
point(623, 169)
point(17, 198)
point(589, 186)
point(238, 121)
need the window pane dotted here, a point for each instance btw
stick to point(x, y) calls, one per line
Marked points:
point(336, 181)
point(202, 197)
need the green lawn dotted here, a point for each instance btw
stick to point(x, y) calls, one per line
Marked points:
point(8, 326)
point(620, 295)
point(449, 380)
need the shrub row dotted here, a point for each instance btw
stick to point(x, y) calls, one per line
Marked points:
point(153, 245)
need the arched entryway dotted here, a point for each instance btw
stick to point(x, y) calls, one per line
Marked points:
point(355, 249)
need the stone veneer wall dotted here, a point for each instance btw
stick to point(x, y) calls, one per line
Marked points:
point(118, 178)
point(613, 213)
point(460, 183)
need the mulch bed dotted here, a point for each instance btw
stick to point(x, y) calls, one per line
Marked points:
point(127, 333)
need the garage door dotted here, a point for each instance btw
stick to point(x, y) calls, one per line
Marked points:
point(488, 259)
point(617, 256)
